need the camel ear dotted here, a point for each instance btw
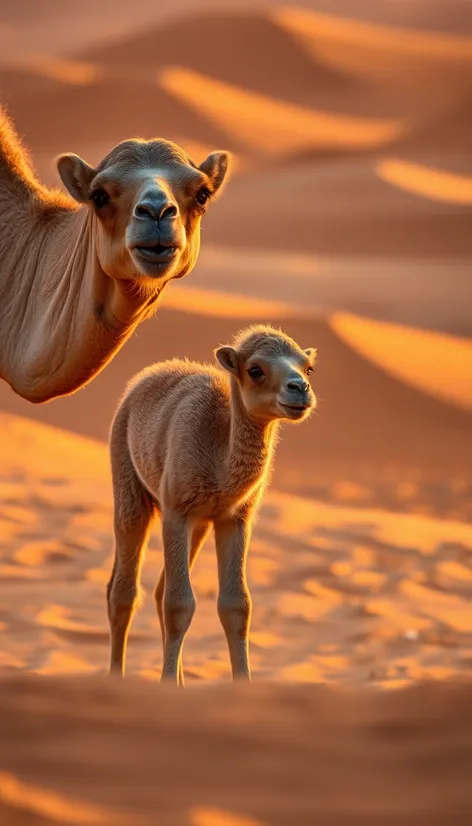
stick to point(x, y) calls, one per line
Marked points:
point(228, 358)
point(216, 167)
point(312, 353)
point(76, 175)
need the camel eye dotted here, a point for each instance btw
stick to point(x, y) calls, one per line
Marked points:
point(100, 198)
point(255, 372)
point(202, 196)
point(309, 370)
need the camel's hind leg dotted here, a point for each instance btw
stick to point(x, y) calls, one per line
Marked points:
point(200, 533)
point(134, 512)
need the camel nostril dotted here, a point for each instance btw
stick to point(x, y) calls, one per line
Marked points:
point(299, 385)
point(156, 210)
point(170, 211)
point(144, 211)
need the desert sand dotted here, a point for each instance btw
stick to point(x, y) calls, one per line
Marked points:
point(232, 757)
point(358, 599)
point(347, 223)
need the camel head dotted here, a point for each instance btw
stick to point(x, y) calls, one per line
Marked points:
point(272, 372)
point(147, 199)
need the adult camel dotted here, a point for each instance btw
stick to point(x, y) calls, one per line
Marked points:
point(77, 276)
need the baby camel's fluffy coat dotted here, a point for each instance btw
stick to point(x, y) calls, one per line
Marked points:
point(184, 445)
point(196, 447)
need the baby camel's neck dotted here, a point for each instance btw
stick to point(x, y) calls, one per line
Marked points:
point(250, 447)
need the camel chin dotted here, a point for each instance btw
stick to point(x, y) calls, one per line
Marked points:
point(158, 266)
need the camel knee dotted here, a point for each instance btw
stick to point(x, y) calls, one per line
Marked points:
point(234, 611)
point(178, 612)
point(122, 597)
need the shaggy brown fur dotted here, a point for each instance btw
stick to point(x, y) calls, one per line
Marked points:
point(75, 282)
point(194, 445)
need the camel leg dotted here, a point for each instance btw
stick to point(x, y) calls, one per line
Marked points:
point(200, 533)
point(234, 600)
point(133, 515)
point(179, 600)
point(123, 588)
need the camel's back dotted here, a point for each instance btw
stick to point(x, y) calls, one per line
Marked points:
point(175, 409)
point(174, 380)
point(157, 380)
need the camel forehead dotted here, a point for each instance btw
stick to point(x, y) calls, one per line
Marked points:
point(270, 347)
point(137, 152)
point(137, 159)
point(284, 358)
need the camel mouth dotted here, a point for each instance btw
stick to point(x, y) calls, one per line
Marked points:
point(155, 254)
point(295, 410)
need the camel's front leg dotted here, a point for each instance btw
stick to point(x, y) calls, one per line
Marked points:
point(234, 600)
point(179, 601)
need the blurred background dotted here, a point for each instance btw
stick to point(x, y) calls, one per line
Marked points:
point(348, 223)
point(351, 123)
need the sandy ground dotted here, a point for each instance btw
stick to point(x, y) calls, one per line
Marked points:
point(361, 598)
point(341, 594)
point(136, 756)
point(347, 223)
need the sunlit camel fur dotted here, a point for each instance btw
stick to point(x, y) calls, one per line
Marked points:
point(194, 445)
point(77, 276)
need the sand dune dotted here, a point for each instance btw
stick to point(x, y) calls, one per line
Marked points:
point(426, 182)
point(439, 364)
point(247, 49)
point(371, 50)
point(273, 66)
point(244, 81)
point(61, 28)
point(70, 72)
point(143, 110)
point(24, 80)
point(442, 140)
point(234, 305)
point(238, 46)
point(271, 125)
point(430, 293)
point(337, 208)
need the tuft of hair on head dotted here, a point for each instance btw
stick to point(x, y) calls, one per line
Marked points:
point(141, 152)
point(257, 332)
point(271, 339)
point(259, 337)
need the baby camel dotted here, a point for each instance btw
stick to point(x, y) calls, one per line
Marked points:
point(194, 445)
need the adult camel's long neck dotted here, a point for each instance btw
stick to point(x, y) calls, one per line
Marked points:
point(250, 447)
point(61, 317)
